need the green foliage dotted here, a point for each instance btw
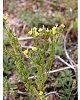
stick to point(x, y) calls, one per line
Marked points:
point(5, 41)
point(12, 5)
point(6, 86)
point(19, 61)
point(59, 50)
point(62, 81)
point(41, 1)
point(39, 18)
point(75, 24)
point(47, 44)
point(8, 61)
point(64, 84)
point(45, 41)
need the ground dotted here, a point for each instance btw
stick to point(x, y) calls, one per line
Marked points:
point(24, 14)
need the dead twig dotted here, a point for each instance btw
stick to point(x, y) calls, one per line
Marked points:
point(53, 71)
point(54, 92)
point(26, 47)
point(65, 41)
point(58, 57)
point(24, 38)
point(67, 54)
point(20, 92)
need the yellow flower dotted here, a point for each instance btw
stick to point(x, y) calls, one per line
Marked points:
point(34, 28)
point(47, 30)
point(62, 25)
point(40, 29)
point(25, 52)
point(36, 33)
point(34, 48)
point(5, 17)
point(41, 93)
point(30, 32)
point(54, 30)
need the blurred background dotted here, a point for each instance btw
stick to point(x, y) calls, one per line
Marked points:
point(24, 14)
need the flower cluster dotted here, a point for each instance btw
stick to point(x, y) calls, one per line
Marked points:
point(36, 32)
point(25, 52)
point(41, 93)
point(43, 32)
point(33, 31)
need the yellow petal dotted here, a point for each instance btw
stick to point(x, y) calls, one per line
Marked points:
point(36, 33)
point(34, 48)
point(41, 93)
point(25, 52)
point(34, 28)
point(47, 30)
point(5, 17)
point(40, 29)
point(54, 30)
point(30, 32)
